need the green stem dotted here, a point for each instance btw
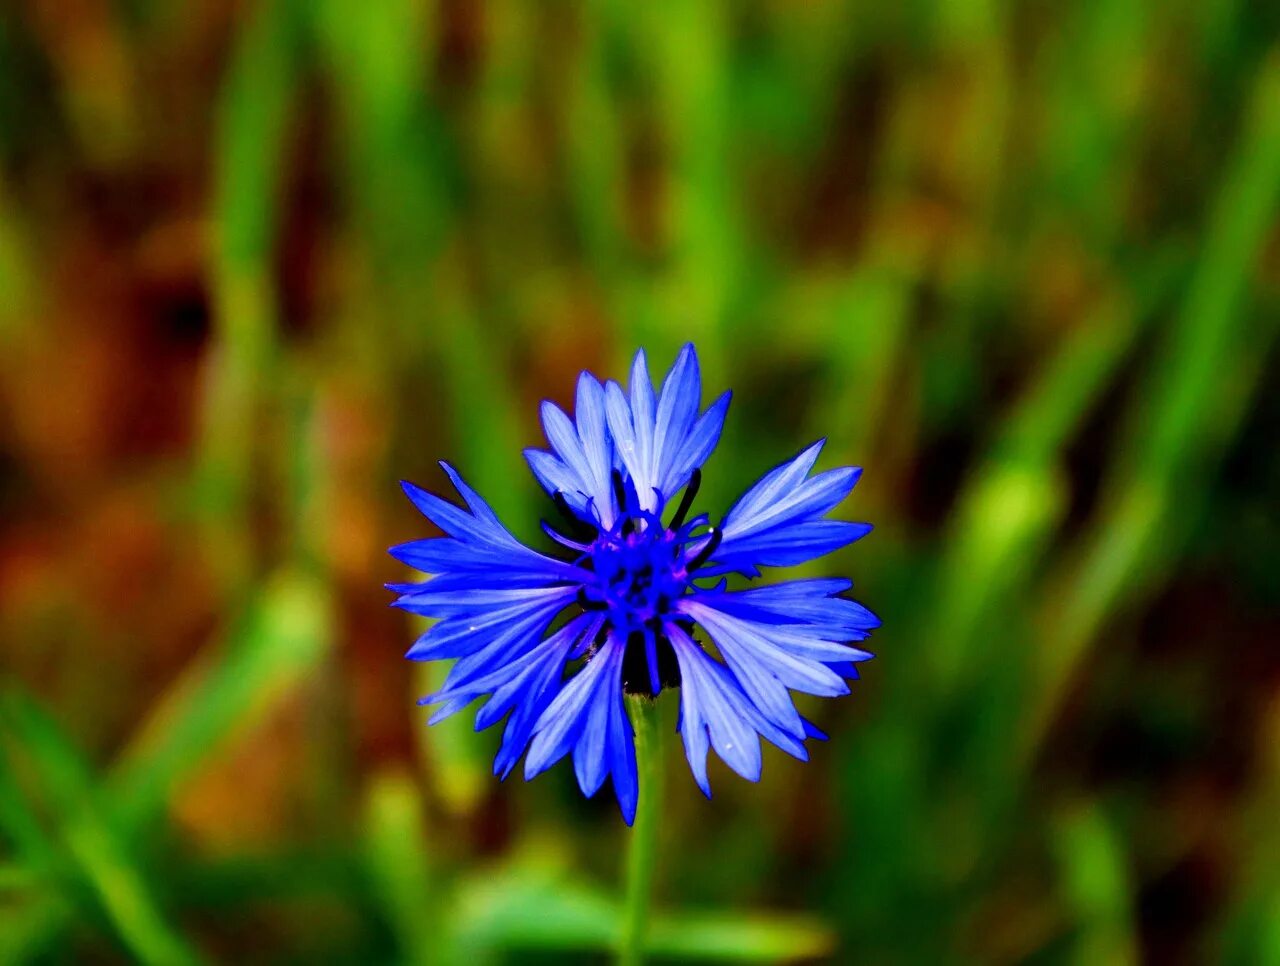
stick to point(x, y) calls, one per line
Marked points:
point(642, 846)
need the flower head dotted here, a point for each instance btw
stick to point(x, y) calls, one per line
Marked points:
point(636, 598)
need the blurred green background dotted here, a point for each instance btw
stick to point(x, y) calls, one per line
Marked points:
point(260, 260)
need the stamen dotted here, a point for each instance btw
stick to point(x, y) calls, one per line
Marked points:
point(561, 539)
point(710, 547)
point(562, 504)
point(576, 527)
point(685, 533)
point(686, 501)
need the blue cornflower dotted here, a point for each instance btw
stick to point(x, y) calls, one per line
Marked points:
point(633, 604)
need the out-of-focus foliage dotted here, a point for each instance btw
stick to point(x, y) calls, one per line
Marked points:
point(1019, 260)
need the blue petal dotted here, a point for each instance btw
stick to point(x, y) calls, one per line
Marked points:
point(642, 416)
point(661, 440)
point(622, 760)
point(559, 727)
point(630, 423)
point(439, 555)
point(477, 541)
point(677, 408)
point(846, 669)
point(449, 518)
point(582, 458)
point(715, 705)
point(473, 633)
point(563, 437)
point(813, 731)
point(693, 732)
point(811, 626)
point(533, 696)
point(618, 417)
point(529, 694)
point(838, 617)
point(805, 588)
point(779, 481)
point(758, 680)
point(474, 502)
point(432, 602)
point(556, 477)
point(751, 653)
point(786, 546)
point(796, 501)
point(697, 446)
point(591, 753)
point(512, 679)
point(588, 718)
point(596, 443)
point(778, 522)
point(477, 580)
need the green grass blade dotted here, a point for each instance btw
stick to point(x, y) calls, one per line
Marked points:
point(253, 131)
point(529, 911)
point(89, 836)
point(401, 868)
point(1187, 415)
point(273, 647)
point(1097, 886)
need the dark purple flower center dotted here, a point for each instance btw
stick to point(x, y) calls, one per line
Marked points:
point(636, 570)
point(639, 570)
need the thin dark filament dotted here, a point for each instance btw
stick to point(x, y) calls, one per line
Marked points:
point(686, 501)
point(562, 540)
point(577, 526)
point(583, 531)
point(711, 546)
